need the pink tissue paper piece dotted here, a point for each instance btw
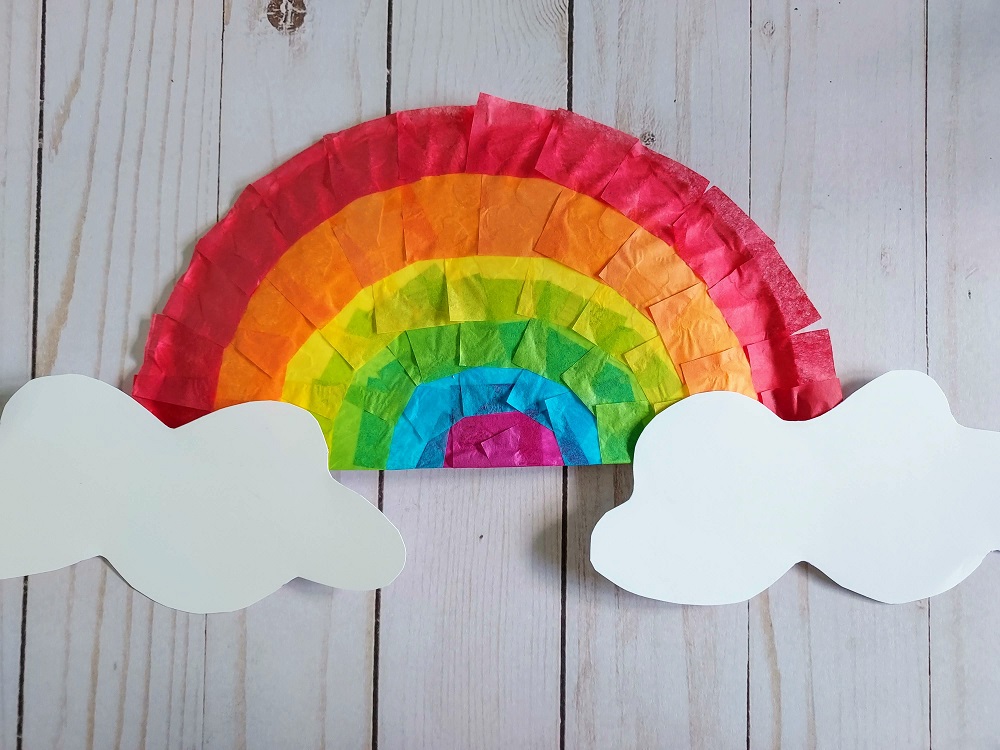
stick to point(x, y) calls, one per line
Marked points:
point(506, 439)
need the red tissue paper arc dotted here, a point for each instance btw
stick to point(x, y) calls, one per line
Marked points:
point(747, 279)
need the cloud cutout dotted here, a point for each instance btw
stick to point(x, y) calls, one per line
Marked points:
point(209, 517)
point(886, 494)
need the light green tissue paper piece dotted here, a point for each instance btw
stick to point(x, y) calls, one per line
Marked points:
point(415, 296)
point(484, 288)
point(467, 298)
point(313, 357)
point(400, 346)
point(374, 439)
point(597, 379)
point(553, 303)
point(344, 433)
point(358, 439)
point(338, 370)
point(321, 399)
point(352, 332)
point(488, 344)
point(655, 375)
point(382, 387)
point(436, 351)
point(616, 331)
point(326, 424)
point(618, 427)
point(548, 352)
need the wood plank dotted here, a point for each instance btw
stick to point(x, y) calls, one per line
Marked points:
point(20, 52)
point(639, 673)
point(963, 181)
point(837, 180)
point(294, 670)
point(447, 52)
point(21, 24)
point(129, 179)
point(676, 75)
point(469, 637)
point(469, 647)
point(283, 90)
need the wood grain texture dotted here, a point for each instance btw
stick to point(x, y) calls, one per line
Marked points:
point(129, 175)
point(838, 180)
point(447, 52)
point(963, 183)
point(470, 632)
point(20, 57)
point(281, 90)
point(469, 639)
point(295, 670)
point(677, 76)
point(292, 671)
point(469, 636)
point(108, 668)
point(129, 179)
point(20, 32)
point(642, 673)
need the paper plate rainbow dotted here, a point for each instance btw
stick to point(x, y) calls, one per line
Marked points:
point(497, 285)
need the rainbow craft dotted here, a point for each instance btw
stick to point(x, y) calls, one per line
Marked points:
point(497, 285)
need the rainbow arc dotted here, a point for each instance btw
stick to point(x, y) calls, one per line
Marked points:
point(493, 285)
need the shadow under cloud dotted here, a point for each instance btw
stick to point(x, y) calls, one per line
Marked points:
point(590, 492)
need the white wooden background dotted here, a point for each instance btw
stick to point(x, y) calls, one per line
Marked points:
point(863, 135)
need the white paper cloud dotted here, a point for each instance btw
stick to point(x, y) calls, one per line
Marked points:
point(209, 517)
point(886, 494)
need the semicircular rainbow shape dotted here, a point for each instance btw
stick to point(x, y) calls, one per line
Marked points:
point(497, 285)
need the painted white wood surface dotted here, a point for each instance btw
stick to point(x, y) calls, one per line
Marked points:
point(129, 179)
point(19, 55)
point(963, 226)
point(837, 179)
point(640, 673)
point(470, 632)
point(824, 142)
point(447, 52)
point(469, 638)
point(20, 32)
point(294, 670)
point(678, 77)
